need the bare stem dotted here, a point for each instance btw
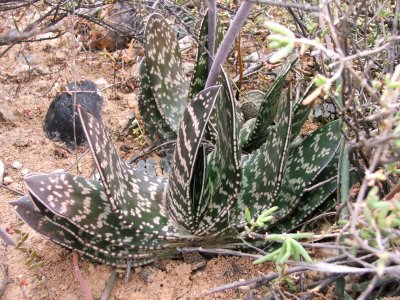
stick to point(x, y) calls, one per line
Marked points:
point(223, 51)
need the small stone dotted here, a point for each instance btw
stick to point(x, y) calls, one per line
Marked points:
point(186, 43)
point(6, 118)
point(123, 123)
point(253, 57)
point(21, 142)
point(16, 165)
point(131, 103)
point(147, 273)
point(24, 171)
point(188, 67)
point(101, 82)
point(8, 180)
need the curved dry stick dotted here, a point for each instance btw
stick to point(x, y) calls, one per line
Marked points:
point(79, 277)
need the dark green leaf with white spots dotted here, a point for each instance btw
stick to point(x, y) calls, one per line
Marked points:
point(263, 170)
point(305, 163)
point(222, 181)
point(136, 198)
point(35, 219)
point(84, 204)
point(153, 122)
point(268, 109)
point(311, 200)
point(164, 68)
point(191, 130)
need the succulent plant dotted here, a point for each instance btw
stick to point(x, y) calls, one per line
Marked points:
point(131, 215)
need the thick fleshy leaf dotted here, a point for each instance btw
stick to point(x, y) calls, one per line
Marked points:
point(246, 131)
point(164, 68)
point(35, 219)
point(198, 181)
point(268, 109)
point(263, 170)
point(154, 124)
point(311, 200)
point(191, 130)
point(84, 204)
point(305, 163)
point(136, 198)
point(223, 168)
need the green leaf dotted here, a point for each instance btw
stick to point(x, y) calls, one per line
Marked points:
point(153, 122)
point(136, 198)
point(267, 113)
point(82, 205)
point(310, 201)
point(223, 168)
point(262, 171)
point(305, 163)
point(58, 234)
point(164, 68)
point(247, 214)
point(301, 112)
point(191, 130)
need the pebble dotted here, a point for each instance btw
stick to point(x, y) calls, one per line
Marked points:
point(131, 103)
point(16, 165)
point(185, 43)
point(101, 82)
point(123, 123)
point(24, 171)
point(188, 67)
point(8, 180)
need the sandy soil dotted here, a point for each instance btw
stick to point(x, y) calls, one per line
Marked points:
point(25, 93)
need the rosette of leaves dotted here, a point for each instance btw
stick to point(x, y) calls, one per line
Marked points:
point(128, 215)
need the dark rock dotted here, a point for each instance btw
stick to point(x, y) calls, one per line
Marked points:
point(58, 124)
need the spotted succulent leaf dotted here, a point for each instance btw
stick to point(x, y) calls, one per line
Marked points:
point(191, 130)
point(263, 170)
point(311, 200)
point(82, 205)
point(246, 131)
point(164, 69)
point(135, 197)
point(268, 109)
point(305, 163)
point(222, 181)
point(43, 225)
point(158, 130)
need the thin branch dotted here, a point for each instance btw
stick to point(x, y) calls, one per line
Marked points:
point(289, 4)
point(219, 252)
point(79, 277)
point(223, 51)
point(109, 287)
point(7, 238)
point(265, 279)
